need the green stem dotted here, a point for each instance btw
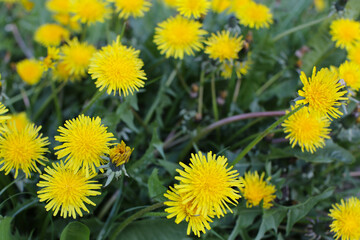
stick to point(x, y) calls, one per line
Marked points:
point(96, 96)
point(269, 83)
point(263, 134)
point(297, 28)
point(56, 102)
point(201, 91)
point(213, 94)
point(134, 217)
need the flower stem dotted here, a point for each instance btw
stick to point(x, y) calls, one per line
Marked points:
point(263, 134)
point(96, 96)
point(134, 217)
point(56, 102)
point(299, 27)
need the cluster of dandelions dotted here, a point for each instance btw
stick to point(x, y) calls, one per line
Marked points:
point(206, 188)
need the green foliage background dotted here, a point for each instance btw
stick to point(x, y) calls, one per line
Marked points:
point(307, 184)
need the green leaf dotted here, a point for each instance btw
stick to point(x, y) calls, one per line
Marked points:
point(5, 228)
point(330, 153)
point(154, 229)
point(155, 186)
point(169, 166)
point(301, 210)
point(75, 231)
point(271, 220)
point(245, 219)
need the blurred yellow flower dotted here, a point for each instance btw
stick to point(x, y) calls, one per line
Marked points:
point(170, 3)
point(66, 190)
point(241, 68)
point(90, 11)
point(62, 73)
point(236, 5)
point(51, 58)
point(220, 5)
point(354, 53)
point(345, 32)
point(67, 20)
point(76, 56)
point(120, 154)
point(185, 211)
point(255, 189)
point(84, 141)
point(222, 46)
point(254, 15)
point(193, 8)
point(177, 36)
point(58, 6)
point(319, 5)
point(51, 34)
point(350, 73)
point(346, 219)
point(30, 70)
point(18, 121)
point(117, 68)
point(22, 149)
point(307, 130)
point(134, 8)
point(322, 93)
point(208, 184)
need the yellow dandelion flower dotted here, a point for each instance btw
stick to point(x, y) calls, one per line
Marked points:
point(220, 5)
point(90, 11)
point(208, 184)
point(84, 141)
point(51, 58)
point(22, 150)
point(345, 32)
point(255, 15)
point(354, 53)
point(307, 130)
point(170, 3)
point(51, 34)
point(62, 73)
point(184, 211)
point(322, 92)
point(58, 6)
point(236, 5)
point(18, 120)
point(77, 56)
point(117, 68)
point(66, 190)
point(134, 8)
point(255, 190)
point(193, 8)
point(346, 219)
point(319, 5)
point(120, 154)
point(350, 72)
point(241, 68)
point(67, 20)
point(177, 36)
point(28, 5)
point(3, 110)
point(30, 70)
point(222, 46)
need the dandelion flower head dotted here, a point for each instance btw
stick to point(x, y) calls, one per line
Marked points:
point(66, 191)
point(61, 73)
point(208, 184)
point(254, 15)
point(18, 120)
point(84, 141)
point(58, 6)
point(118, 69)
point(241, 68)
point(77, 56)
point(134, 8)
point(219, 6)
point(178, 36)
point(193, 8)
point(319, 5)
point(90, 11)
point(307, 130)
point(184, 211)
point(22, 149)
point(223, 46)
point(350, 72)
point(322, 92)
point(170, 3)
point(51, 34)
point(255, 190)
point(30, 70)
point(66, 19)
point(354, 53)
point(120, 154)
point(236, 5)
point(346, 219)
point(3, 110)
point(345, 32)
